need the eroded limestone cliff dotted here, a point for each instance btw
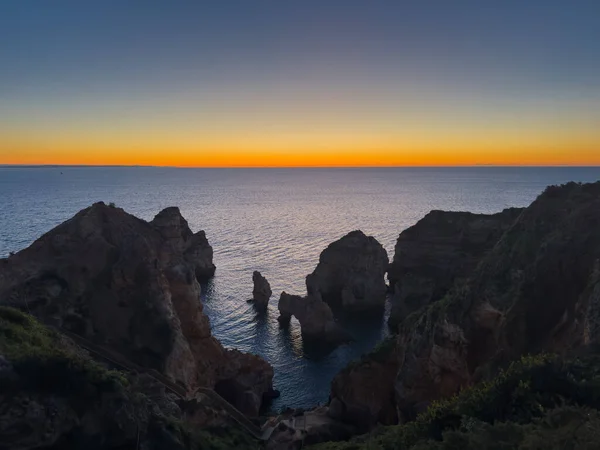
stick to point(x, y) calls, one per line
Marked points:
point(133, 286)
point(536, 290)
point(440, 249)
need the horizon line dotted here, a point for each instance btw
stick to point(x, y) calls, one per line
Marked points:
point(415, 166)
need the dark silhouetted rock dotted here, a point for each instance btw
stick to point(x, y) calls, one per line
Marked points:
point(536, 290)
point(440, 249)
point(362, 394)
point(131, 285)
point(316, 319)
point(261, 292)
point(351, 273)
point(194, 247)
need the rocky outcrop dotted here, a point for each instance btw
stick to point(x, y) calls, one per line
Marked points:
point(351, 273)
point(245, 381)
point(261, 292)
point(362, 394)
point(193, 246)
point(132, 286)
point(439, 250)
point(55, 396)
point(537, 290)
point(316, 319)
point(297, 429)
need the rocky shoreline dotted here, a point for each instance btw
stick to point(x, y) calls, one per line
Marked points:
point(471, 294)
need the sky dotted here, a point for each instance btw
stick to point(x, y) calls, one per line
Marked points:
point(300, 83)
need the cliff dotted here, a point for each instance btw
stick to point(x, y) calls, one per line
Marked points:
point(439, 250)
point(133, 286)
point(536, 290)
point(54, 396)
point(362, 394)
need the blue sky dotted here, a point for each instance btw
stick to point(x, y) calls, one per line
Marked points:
point(124, 65)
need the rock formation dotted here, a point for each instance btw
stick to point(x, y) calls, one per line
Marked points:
point(298, 429)
point(316, 319)
point(132, 286)
point(351, 273)
point(261, 292)
point(440, 249)
point(362, 394)
point(536, 290)
point(54, 395)
point(194, 247)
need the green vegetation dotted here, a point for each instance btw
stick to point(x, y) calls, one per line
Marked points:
point(223, 439)
point(537, 403)
point(561, 428)
point(43, 362)
point(383, 350)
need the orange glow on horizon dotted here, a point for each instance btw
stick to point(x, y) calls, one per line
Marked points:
point(443, 146)
point(368, 158)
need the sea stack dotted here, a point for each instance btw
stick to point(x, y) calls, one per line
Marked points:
point(261, 292)
point(351, 273)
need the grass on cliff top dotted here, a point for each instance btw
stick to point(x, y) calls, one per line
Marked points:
point(523, 401)
point(44, 362)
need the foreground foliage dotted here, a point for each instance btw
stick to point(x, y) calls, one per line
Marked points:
point(540, 402)
point(40, 367)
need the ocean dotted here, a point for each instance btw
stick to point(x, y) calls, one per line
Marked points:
point(276, 221)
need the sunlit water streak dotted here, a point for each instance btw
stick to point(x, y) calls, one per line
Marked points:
point(276, 221)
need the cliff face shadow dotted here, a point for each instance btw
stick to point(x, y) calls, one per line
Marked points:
point(207, 290)
point(290, 340)
point(315, 350)
point(363, 327)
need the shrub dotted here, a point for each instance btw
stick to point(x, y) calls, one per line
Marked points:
point(518, 404)
point(44, 362)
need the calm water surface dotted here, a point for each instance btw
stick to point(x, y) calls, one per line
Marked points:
point(276, 221)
